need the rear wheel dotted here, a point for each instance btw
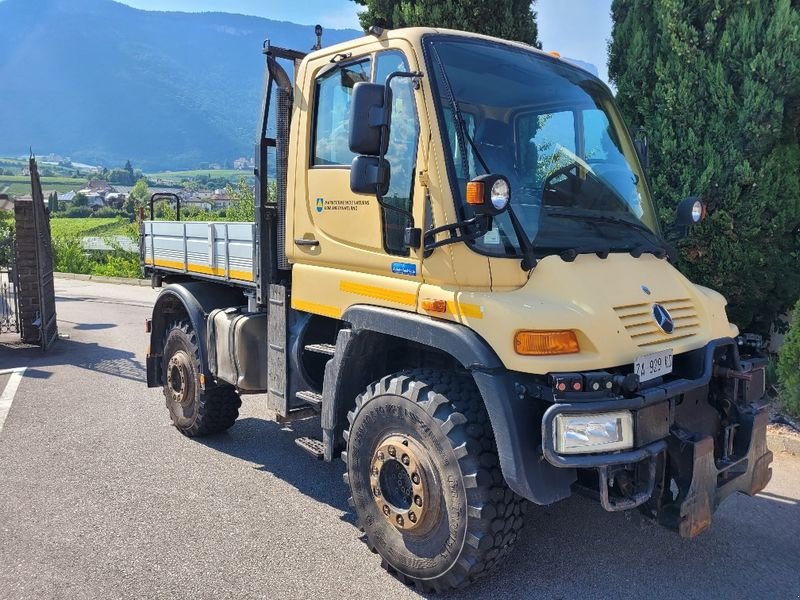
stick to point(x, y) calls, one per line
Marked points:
point(425, 479)
point(194, 411)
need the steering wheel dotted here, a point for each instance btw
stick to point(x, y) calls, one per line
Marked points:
point(565, 171)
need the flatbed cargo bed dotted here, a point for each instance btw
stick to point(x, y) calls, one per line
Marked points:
point(217, 251)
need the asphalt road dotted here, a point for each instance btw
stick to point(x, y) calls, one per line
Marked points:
point(101, 498)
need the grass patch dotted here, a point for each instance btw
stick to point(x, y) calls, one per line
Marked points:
point(213, 173)
point(19, 185)
point(90, 227)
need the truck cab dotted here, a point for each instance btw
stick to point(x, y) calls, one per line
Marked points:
point(457, 264)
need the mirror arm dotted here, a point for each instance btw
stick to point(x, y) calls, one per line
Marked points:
point(529, 261)
point(479, 221)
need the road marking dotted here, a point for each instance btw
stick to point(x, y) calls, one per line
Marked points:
point(8, 394)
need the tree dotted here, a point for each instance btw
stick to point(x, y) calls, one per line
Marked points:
point(508, 19)
point(139, 196)
point(129, 169)
point(716, 86)
point(789, 367)
point(80, 200)
point(243, 205)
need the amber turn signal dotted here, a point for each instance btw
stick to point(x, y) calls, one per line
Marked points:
point(439, 306)
point(475, 193)
point(545, 343)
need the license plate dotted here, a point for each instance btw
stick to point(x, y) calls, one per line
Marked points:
point(653, 365)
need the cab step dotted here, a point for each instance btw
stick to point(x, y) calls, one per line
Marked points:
point(313, 446)
point(313, 399)
point(328, 349)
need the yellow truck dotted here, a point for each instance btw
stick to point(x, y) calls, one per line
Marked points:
point(456, 265)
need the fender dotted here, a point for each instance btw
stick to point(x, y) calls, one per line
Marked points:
point(516, 420)
point(193, 299)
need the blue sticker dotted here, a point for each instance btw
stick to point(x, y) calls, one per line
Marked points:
point(404, 268)
point(320, 205)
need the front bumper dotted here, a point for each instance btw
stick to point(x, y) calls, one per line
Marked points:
point(675, 475)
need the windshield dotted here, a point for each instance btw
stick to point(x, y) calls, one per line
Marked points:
point(554, 132)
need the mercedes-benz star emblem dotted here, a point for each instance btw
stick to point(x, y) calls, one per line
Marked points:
point(663, 319)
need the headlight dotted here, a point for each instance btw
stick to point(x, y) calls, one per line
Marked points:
point(595, 432)
point(500, 194)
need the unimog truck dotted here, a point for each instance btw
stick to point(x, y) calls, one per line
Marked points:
point(456, 265)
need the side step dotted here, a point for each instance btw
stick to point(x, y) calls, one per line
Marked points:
point(328, 349)
point(312, 446)
point(313, 399)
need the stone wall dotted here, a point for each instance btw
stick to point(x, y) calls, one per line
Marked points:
point(34, 265)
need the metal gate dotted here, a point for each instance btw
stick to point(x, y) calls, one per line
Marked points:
point(9, 303)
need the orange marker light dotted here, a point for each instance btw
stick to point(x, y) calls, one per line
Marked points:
point(475, 192)
point(545, 343)
point(554, 53)
point(438, 306)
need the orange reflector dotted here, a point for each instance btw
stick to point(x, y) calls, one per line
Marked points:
point(554, 53)
point(544, 343)
point(439, 306)
point(475, 192)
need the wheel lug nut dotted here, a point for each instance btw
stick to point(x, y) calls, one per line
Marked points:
point(418, 500)
point(412, 517)
point(400, 520)
point(405, 459)
point(376, 491)
point(392, 451)
point(386, 509)
point(375, 471)
point(380, 456)
point(415, 478)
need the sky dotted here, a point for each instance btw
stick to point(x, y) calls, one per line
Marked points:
point(576, 28)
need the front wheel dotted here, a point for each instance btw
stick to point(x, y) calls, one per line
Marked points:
point(194, 411)
point(426, 482)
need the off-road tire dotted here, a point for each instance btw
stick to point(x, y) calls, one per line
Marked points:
point(202, 412)
point(479, 516)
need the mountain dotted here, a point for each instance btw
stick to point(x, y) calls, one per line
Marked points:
point(102, 82)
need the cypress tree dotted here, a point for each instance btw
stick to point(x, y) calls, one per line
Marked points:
point(508, 19)
point(716, 86)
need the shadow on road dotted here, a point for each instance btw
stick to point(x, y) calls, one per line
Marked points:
point(85, 355)
point(271, 446)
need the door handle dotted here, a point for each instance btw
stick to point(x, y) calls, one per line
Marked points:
point(305, 242)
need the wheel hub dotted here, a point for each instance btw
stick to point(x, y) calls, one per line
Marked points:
point(178, 378)
point(399, 482)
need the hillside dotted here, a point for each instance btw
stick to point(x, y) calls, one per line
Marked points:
point(102, 82)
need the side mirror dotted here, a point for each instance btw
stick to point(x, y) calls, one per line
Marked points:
point(370, 175)
point(489, 194)
point(370, 112)
point(690, 210)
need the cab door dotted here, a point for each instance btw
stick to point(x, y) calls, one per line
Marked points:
point(347, 248)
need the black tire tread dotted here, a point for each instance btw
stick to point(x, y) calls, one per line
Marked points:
point(218, 406)
point(495, 513)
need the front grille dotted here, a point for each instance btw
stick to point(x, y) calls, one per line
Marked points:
point(641, 326)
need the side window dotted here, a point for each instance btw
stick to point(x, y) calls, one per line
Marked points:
point(332, 126)
point(402, 152)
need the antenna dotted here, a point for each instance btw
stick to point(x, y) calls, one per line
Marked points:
point(318, 33)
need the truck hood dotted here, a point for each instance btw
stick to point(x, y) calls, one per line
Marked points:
point(607, 302)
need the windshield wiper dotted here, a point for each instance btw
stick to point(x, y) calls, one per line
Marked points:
point(528, 262)
point(652, 247)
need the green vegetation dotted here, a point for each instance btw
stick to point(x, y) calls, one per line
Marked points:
point(789, 367)
point(7, 227)
point(179, 176)
point(70, 257)
point(716, 87)
point(509, 19)
point(20, 185)
point(90, 227)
